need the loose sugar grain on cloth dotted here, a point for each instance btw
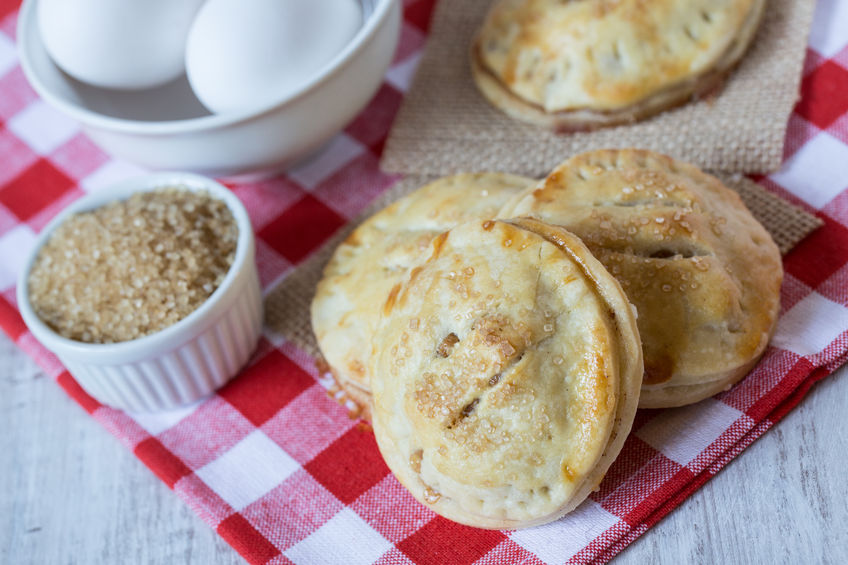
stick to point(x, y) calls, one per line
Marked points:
point(279, 469)
point(446, 126)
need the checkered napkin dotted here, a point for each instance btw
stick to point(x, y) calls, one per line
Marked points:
point(280, 470)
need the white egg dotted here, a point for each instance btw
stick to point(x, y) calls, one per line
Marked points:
point(249, 53)
point(125, 44)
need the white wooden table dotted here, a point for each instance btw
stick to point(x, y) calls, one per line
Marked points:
point(70, 493)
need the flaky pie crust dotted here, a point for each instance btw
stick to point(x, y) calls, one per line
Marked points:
point(375, 256)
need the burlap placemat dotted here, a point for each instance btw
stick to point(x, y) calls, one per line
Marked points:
point(287, 305)
point(445, 126)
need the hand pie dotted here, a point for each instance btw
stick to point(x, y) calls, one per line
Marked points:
point(582, 64)
point(376, 255)
point(507, 374)
point(702, 272)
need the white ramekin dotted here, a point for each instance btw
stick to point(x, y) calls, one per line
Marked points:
point(183, 362)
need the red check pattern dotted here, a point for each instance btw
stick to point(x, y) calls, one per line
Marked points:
point(277, 467)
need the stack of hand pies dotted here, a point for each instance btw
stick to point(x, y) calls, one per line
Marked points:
point(502, 331)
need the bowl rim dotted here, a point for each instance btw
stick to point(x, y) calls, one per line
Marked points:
point(26, 26)
point(171, 336)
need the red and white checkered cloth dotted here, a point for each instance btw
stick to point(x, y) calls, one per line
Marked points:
point(277, 467)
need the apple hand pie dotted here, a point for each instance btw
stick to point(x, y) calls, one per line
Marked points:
point(703, 274)
point(505, 374)
point(583, 64)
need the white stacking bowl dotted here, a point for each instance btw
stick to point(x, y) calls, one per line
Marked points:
point(183, 362)
point(167, 128)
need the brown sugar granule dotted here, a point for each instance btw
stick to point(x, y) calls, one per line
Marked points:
point(134, 267)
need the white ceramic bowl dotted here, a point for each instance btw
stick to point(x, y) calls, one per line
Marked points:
point(183, 362)
point(167, 127)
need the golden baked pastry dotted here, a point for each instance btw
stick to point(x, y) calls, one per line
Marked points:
point(375, 256)
point(507, 374)
point(582, 64)
point(703, 274)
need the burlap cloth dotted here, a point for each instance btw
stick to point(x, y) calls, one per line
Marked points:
point(287, 305)
point(445, 126)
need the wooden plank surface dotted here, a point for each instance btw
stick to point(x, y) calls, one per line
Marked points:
point(70, 493)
